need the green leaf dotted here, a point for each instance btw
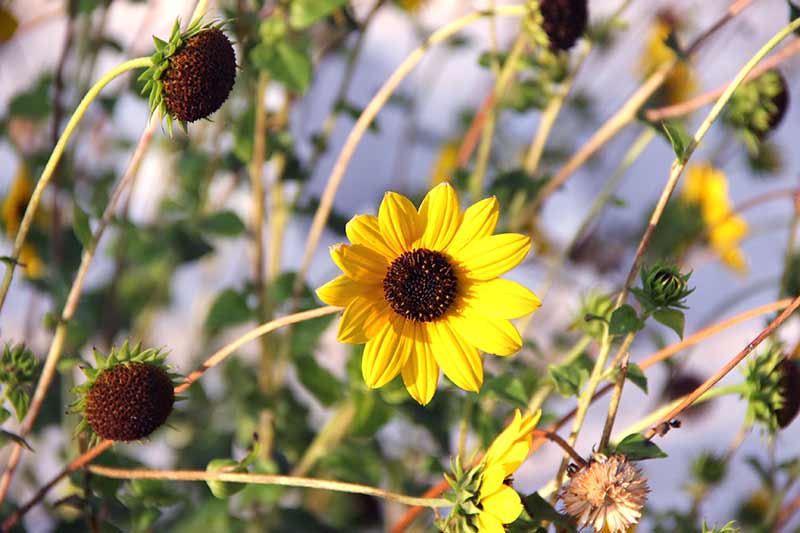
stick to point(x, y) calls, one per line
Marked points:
point(80, 225)
point(20, 400)
point(318, 380)
point(229, 309)
point(636, 448)
point(540, 510)
point(35, 103)
point(570, 378)
point(636, 376)
point(288, 62)
point(672, 318)
point(509, 388)
point(225, 223)
point(6, 436)
point(304, 13)
point(624, 320)
point(678, 137)
point(4, 414)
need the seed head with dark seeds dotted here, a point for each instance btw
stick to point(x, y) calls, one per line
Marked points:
point(564, 21)
point(191, 75)
point(420, 285)
point(789, 386)
point(128, 396)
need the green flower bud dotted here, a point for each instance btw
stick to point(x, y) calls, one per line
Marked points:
point(772, 382)
point(663, 287)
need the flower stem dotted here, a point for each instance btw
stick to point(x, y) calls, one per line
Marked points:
point(614, 404)
point(52, 163)
point(267, 479)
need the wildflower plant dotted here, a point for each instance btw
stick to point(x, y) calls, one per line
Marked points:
point(489, 220)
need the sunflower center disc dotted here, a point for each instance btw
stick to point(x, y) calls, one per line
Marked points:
point(420, 285)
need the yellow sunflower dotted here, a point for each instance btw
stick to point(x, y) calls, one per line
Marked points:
point(421, 289)
point(29, 258)
point(707, 187)
point(483, 497)
point(446, 163)
point(680, 82)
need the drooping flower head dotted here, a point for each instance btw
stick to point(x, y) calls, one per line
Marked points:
point(680, 82)
point(484, 500)
point(707, 187)
point(420, 288)
point(608, 493)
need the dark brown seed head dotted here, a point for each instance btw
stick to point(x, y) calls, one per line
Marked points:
point(200, 76)
point(789, 385)
point(781, 103)
point(420, 285)
point(129, 401)
point(564, 21)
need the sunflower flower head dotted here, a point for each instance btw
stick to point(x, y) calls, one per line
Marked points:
point(608, 494)
point(680, 82)
point(707, 187)
point(483, 498)
point(420, 288)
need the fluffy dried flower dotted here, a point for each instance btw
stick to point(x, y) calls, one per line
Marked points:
point(610, 492)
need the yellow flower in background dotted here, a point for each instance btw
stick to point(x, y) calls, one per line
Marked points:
point(17, 201)
point(446, 163)
point(29, 258)
point(499, 503)
point(680, 82)
point(708, 188)
point(421, 289)
point(412, 6)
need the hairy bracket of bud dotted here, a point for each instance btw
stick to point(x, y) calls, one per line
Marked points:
point(127, 396)
point(191, 75)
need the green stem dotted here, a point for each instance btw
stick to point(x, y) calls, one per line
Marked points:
point(544, 391)
point(327, 438)
point(267, 479)
point(52, 163)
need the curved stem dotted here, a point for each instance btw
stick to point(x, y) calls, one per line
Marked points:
point(52, 163)
point(70, 307)
point(366, 118)
point(266, 479)
point(554, 437)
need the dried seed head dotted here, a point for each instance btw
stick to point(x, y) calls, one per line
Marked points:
point(609, 492)
point(564, 21)
point(128, 396)
point(789, 386)
point(200, 76)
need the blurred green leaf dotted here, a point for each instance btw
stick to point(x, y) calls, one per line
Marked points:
point(672, 318)
point(225, 223)
point(507, 387)
point(80, 225)
point(228, 309)
point(624, 320)
point(287, 61)
point(6, 436)
point(35, 103)
point(569, 378)
point(678, 137)
point(319, 381)
point(20, 400)
point(304, 13)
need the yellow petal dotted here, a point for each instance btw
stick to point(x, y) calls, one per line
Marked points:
point(493, 256)
point(501, 298)
point(504, 504)
point(488, 523)
point(362, 320)
point(440, 215)
point(458, 360)
point(399, 222)
point(479, 220)
point(492, 478)
point(364, 229)
point(360, 263)
point(420, 373)
point(491, 335)
point(385, 354)
point(340, 291)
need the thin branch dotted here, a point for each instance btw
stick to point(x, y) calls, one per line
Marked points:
point(722, 372)
point(265, 479)
point(554, 437)
point(613, 406)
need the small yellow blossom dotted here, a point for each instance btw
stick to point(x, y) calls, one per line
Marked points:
point(17, 201)
point(34, 266)
point(680, 82)
point(707, 187)
point(8, 24)
point(446, 163)
point(421, 289)
point(412, 6)
point(484, 500)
